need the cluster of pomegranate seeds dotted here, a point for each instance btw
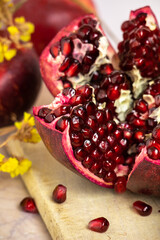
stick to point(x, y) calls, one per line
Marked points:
point(140, 117)
point(142, 208)
point(140, 47)
point(59, 193)
point(111, 85)
point(28, 205)
point(100, 225)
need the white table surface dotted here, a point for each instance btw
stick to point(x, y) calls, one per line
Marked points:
point(18, 225)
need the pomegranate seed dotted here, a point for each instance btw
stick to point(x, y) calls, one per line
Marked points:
point(139, 136)
point(141, 106)
point(119, 159)
point(113, 92)
point(73, 69)
point(103, 146)
point(101, 173)
point(76, 139)
point(80, 111)
point(62, 123)
point(62, 110)
point(70, 92)
point(109, 165)
point(109, 115)
point(50, 117)
point(102, 130)
point(100, 116)
point(96, 154)
point(111, 125)
point(55, 49)
point(118, 133)
point(76, 123)
point(84, 32)
point(90, 108)
point(95, 168)
point(88, 162)
point(28, 205)
point(142, 208)
point(76, 100)
point(156, 133)
point(43, 112)
point(87, 132)
point(120, 185)
point(111, 139)
point(96, 138)
point(88, 145)
point(80, 154)
point(66, 46)
point(65, 64)
point(101, 95)
point(110, 177)
point(88, 21)
point(59, 193)
point(100, 225)
point(106, 69)
point(91, 122)
point(85, 91)
point(153, 153)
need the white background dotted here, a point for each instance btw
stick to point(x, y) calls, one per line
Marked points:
point(113, 12)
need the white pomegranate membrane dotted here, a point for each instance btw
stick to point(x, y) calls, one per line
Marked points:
point(108, 131)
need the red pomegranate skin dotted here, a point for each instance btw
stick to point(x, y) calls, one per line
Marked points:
point(49, 16)
point(145, 175)
point(20, 82)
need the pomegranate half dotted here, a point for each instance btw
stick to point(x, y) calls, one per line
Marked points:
point(108, 130)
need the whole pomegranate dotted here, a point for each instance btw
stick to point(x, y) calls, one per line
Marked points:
point(49, 16)
point(108, 130)
point(20, 77)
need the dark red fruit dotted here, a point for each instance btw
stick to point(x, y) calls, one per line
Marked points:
point(142, 208)
point(100, 225)
point(55, 15)
point(28, 205)
point(59, 193)
point(20, 82)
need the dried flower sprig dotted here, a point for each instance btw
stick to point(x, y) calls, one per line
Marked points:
point(16, 32)
point(25, 132)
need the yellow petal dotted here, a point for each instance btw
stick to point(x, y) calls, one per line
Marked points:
point(10, 54)
point(1, 157)
point(10, 165)
point(19, 20)
point(31, 27)
point(1, 57)
point(25, 38)
point(26, 116)
point(13, 30)
point(18, 125)
point(4, 47)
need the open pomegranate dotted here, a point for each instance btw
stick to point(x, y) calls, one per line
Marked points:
point(106, 130)
point(51, 16)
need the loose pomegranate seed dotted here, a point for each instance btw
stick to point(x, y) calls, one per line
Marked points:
point(59, 193)
point(100, 225)
point(28, 205)
point(142, 208)
point(120, 185)
point(66, 46)
point(42, 113)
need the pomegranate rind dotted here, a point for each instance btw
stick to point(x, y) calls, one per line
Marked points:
point(151, 18)
point(59, 146)
point(145, 175)
point(50, 67)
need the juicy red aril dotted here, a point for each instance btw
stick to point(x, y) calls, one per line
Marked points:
point(50, 117)
point(87, 132)
point(91, 122)
point(113, 92)
point(73, 69)
point(111, 125)
point(153, 153)
point(84, 32)
point(106, 69)
point(66, 46)
point(80, 154)
point(76, 123)
point(141, 106)
point(88, 21)
point(109, 165)
point(85, 91)
point(100, 225)
point(55, 49)
point(80, 111)
point(120, 185)
point(43, 112)
point(156, 133)
point(88, 162)
point(103, 146)
point(65, 64)
point(139, 136)
point(70, 92)
point(110, 176)
point(90, 108)
point(76, 139)
point(28, 205)
point(76, 100)
point(59, 193)
point(88, 145)
point(100, 116)
point(142, 208)
point(96, 138)
point(95, 167)
point(62, 110)
point(62, 123)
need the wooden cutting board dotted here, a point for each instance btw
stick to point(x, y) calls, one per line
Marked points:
point(85, 201)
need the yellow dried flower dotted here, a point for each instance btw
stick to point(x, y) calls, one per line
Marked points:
point(10, 165)
point(6, 52)
point(22, 168)
point(13, 30)
point(26, 129)
point(1, 157)
point(19, 20)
